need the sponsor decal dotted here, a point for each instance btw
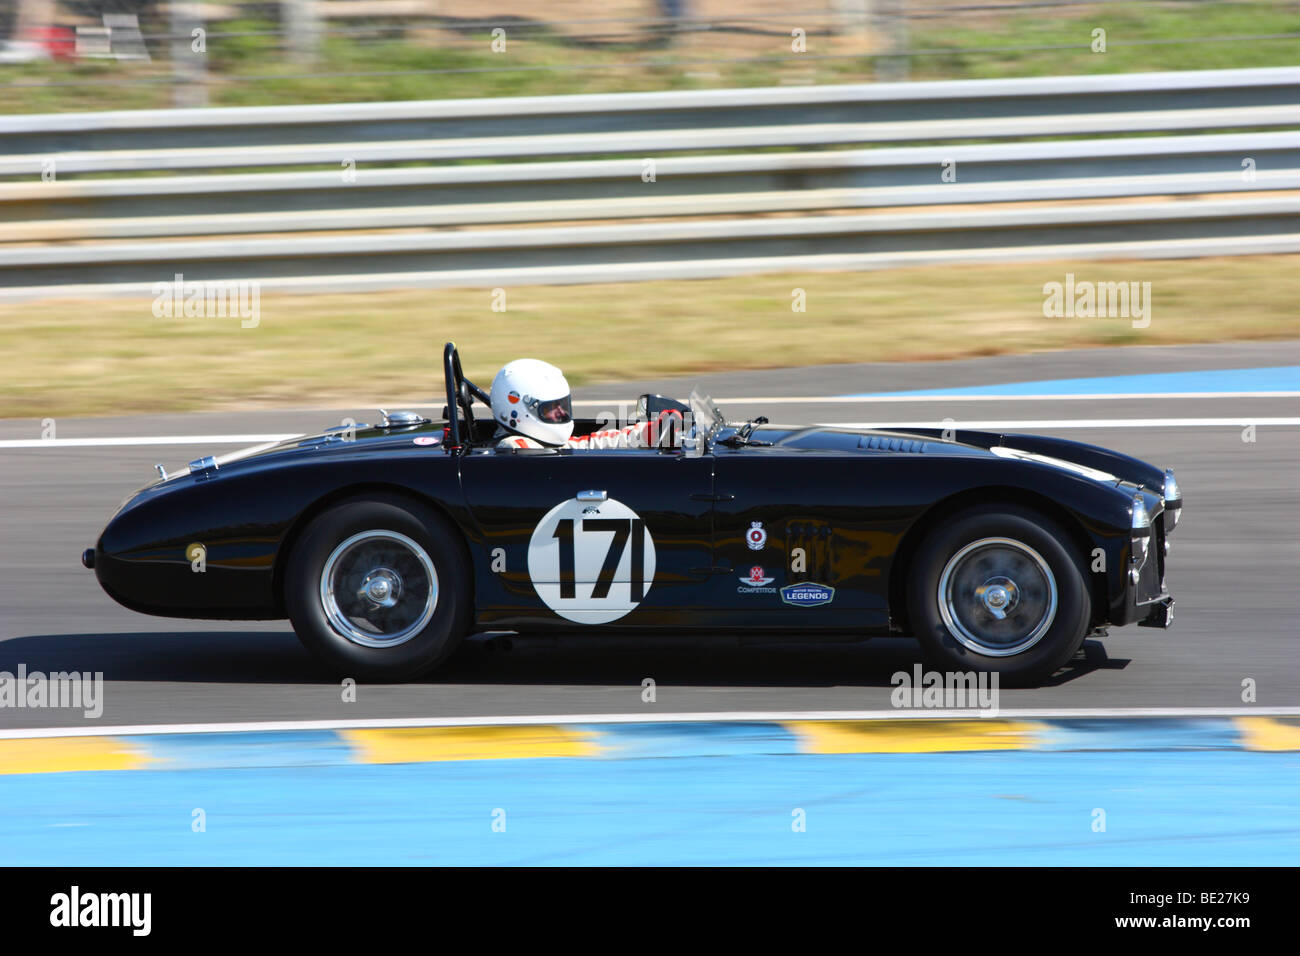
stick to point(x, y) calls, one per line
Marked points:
point(513, 398)
point(807, 594)
point(756, 536)
point(756, 583)
point(426, 440)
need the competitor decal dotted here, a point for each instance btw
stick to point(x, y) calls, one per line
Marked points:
point(756, 583)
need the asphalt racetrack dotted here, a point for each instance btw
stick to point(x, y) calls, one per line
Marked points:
point(1233, 568)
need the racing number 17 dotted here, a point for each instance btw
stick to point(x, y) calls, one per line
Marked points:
point(622, 528)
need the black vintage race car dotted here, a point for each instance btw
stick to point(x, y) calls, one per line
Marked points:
point(387, 544)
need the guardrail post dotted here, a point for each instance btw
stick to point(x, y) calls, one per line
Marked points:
point(189, 56)
point(852, 18)
point(302, 26)
point(892, 64)
point(33, 14)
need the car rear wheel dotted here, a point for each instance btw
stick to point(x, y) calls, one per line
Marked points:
point(999, 591)
point(378, 589)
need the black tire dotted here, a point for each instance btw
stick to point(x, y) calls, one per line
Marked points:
point(381, 529)
point(962, 545)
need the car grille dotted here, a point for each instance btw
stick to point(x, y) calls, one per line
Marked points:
point(1159, 545)
point(1151, 579)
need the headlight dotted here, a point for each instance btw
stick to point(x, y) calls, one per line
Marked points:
point(1173, 501)
point(1141, 537)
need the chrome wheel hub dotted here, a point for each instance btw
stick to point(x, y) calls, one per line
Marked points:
point(997, 597)
point(379, 588)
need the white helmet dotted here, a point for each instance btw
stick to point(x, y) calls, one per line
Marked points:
point(531, 397)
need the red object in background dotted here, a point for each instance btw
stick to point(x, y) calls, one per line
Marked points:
point(59, 42)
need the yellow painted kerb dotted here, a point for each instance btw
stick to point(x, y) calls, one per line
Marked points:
point(911, 736)
point(1269, 733)
point(68, 754)
point(421, 744)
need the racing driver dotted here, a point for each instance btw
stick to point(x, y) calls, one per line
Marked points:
point(533, 409)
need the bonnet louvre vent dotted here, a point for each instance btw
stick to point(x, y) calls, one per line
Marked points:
point(906, 446)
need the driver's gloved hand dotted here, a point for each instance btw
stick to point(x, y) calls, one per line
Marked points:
point(666, 430)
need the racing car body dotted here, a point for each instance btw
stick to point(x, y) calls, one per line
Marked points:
point(386, 544)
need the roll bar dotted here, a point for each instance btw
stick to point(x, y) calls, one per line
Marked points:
point(461, 393)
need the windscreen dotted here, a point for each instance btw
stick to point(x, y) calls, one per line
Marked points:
point(707, 418)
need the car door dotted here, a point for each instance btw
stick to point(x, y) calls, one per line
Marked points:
point(797, 534)
point(590, 537)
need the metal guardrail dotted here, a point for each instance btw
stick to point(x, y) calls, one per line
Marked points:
point(695, 239)
point(465, 205)
point(515, 117)
point(612, 189)
point(651, 142)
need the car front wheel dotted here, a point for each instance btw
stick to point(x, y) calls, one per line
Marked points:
point(378, 589)
point(999, 591)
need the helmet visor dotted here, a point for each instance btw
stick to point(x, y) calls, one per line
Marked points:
point(555, 412)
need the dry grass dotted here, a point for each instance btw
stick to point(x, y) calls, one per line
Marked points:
point(114, 357)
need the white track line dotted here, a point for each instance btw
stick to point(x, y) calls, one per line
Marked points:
point(1072, 423)
point(973, 397)
point(145, 440)
point(904, 398)
point(644, 718)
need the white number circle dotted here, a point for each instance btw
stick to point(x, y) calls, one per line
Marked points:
point(590, 562)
